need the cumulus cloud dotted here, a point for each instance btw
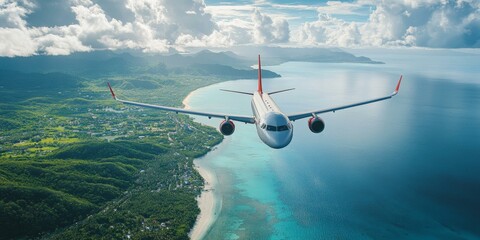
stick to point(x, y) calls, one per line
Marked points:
point(15, 42)
point(14, 37)
point(152, 26)
point(60, 27)
point(59, 45)
point(172, 18)
point(12, 13)
point(238, 25)
point(267, 30)
point(329, 31)
point(148, 25)
point(425, 23)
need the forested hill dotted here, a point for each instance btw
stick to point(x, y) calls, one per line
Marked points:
point(74, 164)
point(16, 80)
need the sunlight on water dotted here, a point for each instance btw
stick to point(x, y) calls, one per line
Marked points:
point(404, 168)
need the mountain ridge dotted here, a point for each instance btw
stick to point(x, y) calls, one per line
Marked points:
point(105, 62)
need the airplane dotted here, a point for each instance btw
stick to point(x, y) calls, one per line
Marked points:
point(274, 127)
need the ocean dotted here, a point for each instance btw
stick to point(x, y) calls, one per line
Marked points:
point(405, 168)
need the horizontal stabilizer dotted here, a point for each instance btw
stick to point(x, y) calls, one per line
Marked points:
point(226, 90)
point(281, 91)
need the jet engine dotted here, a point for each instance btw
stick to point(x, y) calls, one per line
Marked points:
point(316, 124)
point(227, 127)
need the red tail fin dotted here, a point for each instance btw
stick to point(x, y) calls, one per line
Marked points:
point(260, 90)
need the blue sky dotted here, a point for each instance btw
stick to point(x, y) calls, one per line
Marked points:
point(60, 27)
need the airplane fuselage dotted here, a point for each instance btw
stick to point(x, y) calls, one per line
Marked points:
point(273, 127)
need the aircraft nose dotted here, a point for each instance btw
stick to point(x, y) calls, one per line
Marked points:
point(281, 142)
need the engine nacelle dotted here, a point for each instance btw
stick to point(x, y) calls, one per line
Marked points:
point(227, 127)
point(316, 124)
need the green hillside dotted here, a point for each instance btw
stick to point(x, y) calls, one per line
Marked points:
point(99, 150)
point(76, 164)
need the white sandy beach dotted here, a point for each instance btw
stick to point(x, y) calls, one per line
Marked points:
point(206, 202)
point(186, 101)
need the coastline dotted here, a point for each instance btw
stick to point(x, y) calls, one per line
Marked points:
point(186, 100)
point(208, 202)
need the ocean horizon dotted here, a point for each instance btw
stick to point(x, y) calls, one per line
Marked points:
point(406, 168)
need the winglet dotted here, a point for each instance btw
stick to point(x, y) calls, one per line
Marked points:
point(398, 86)
point(111, 91)
point(260, 90)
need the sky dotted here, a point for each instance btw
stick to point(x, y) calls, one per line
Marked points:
point(61, 27)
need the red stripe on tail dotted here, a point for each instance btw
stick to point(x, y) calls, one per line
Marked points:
point(260, 90)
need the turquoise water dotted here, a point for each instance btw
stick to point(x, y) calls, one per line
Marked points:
point(406, 168)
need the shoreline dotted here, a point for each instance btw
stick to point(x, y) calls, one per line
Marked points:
point(208, 202)
point(186, 100)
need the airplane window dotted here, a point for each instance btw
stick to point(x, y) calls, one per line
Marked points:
point(271, 128)
point(282, 128)
point(263, 126)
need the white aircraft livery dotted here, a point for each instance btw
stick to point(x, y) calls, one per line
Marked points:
point(273, 126)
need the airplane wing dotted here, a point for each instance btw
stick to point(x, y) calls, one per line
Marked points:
point(239, 118)
point(312, 113)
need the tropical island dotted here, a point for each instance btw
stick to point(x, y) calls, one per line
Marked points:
point(76, 164)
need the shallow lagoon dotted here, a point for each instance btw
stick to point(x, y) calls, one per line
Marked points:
point(404, 168)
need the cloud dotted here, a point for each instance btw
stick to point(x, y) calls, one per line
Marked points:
point(60, 27)
point(425, 23)
point(15, 42)
point(345, 8)
point(59, 45)
point(171, 18)
point(245, 24)
point(12, 13)
point(267, 30)
point(151, 25)
point(229, 33)
point(329, 31)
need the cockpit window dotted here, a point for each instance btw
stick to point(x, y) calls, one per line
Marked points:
point(271, 128)
point(263, 126)
point(275, 128)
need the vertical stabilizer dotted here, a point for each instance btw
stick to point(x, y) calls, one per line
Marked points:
point(260, 90)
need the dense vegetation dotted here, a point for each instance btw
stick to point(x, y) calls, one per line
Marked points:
point(76, 164)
